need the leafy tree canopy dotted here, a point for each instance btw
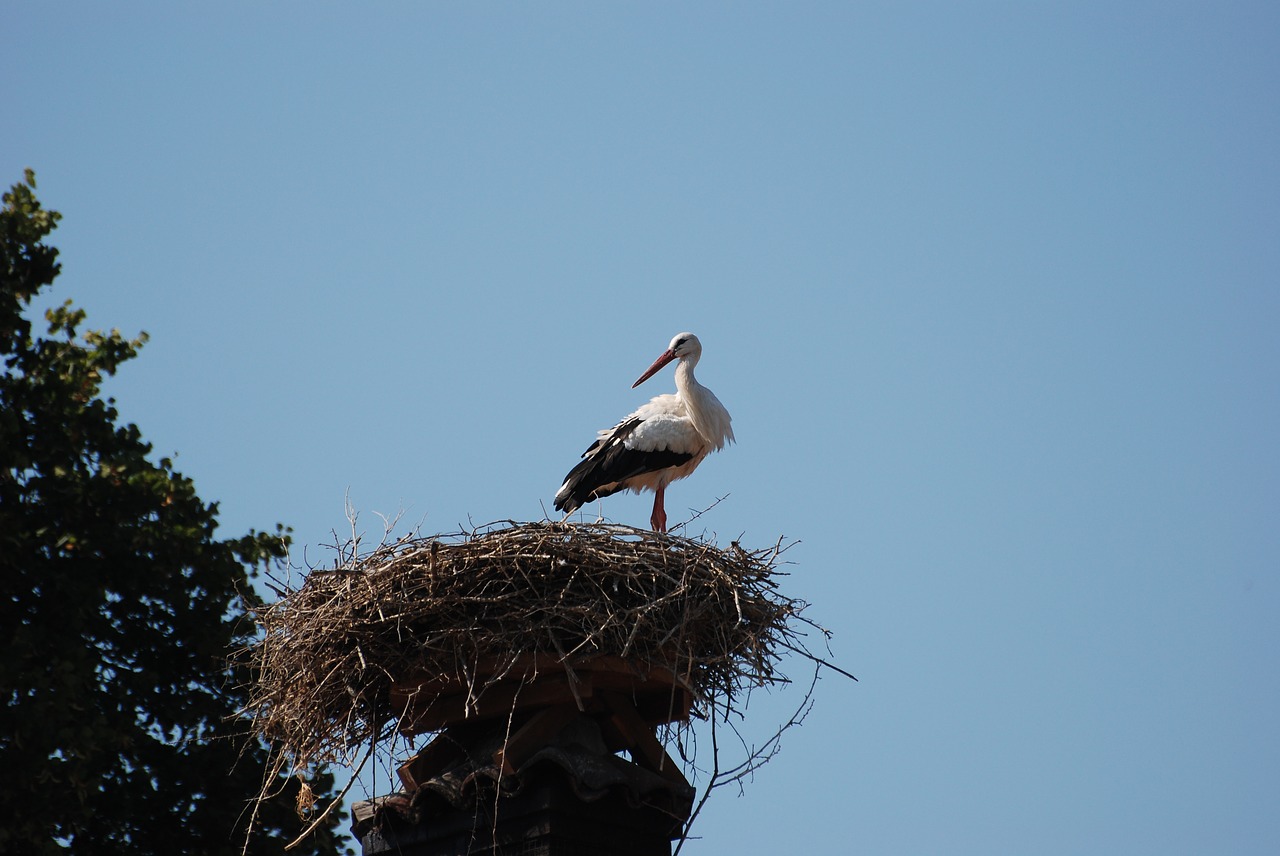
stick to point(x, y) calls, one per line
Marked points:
point(118, 609)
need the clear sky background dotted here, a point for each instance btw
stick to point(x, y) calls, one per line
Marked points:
point(992, 291)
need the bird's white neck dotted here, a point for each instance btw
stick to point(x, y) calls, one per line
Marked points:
point(686, 384)
point(707, 414)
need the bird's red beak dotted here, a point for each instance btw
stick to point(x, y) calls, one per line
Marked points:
point(667, 356)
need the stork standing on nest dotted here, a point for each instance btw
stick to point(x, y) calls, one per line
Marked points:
point(663, 441)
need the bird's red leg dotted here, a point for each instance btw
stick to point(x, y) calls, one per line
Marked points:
point(659, 519)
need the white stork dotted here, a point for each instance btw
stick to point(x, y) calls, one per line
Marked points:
point(663, 441)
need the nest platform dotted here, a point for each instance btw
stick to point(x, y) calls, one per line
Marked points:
point(634, 628)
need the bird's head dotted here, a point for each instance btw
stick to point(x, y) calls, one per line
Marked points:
point(683, 346)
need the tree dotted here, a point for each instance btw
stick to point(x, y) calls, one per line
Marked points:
point(118, 609)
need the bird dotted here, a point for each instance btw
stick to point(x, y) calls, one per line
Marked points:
point(660, 442)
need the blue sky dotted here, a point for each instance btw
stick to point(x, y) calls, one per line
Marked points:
point(991, 290)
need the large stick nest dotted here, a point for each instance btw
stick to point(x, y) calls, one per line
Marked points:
point(330, 651)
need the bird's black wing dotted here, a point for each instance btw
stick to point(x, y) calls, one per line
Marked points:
point(608, 463)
